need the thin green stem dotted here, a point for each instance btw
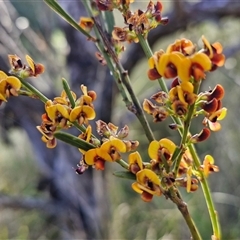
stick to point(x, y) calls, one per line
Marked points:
point(33, 90)
point(207, 195)
point(123, 163)
point(186, 130)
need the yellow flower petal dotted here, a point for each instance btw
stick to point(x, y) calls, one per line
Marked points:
point(168, 144)
point(151, 62)
point(75, 113)
point(104, 155)
point(89, 112)
point(189, 179)
point(136, 188)
point(62, 109)
point(209, 159)
point(180, 94)
point(172, 94)
point(60, 100)
point(203, 60)
point(208, 45)
point(147, 173)
point(223, 114)
point(162, 63)
point(30, 63)
point(187, 87)
point(153, 149)
point(183, 69)
point(51, 112)
point(135, 157)
point(3, 75)
point(118, 144)
point(90, 155)
point(14, 82)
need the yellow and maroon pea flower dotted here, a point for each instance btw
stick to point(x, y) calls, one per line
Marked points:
point(9, 86)
point(86, 23)
point(135, 162)
point(63, 99)
point(86, 136)
point(82, 114)
point(169, 63)
point(159, 149)
point(159, 113)
point(194, 66)
point(153, 73)
point(36, 68)
point(138, 22)
point(18, 67)
point(15, 63)
point(214, 52)
point(47, 129)
point(97, 157)
point(113, 147)
point(190, 183)
point(181, 96)
point(50, 142)
point(182, 60)
point(155, 11)
point(184, 46)
point(57, 113)
point(87, 98)
point(211, 120)
point(208, 165)
point(147, 184)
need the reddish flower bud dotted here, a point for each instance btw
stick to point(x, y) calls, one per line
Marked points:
point(153, 74)
point(218, 92)
point(211, 106)
point(202, 136)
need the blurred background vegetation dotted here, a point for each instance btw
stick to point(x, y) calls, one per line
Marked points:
point(41, 197)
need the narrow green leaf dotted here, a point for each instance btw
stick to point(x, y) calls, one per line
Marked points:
point(124, 174)
point(67, 89)
point(74, 141)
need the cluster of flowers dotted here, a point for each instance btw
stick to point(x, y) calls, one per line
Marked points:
point(138, 22)
point(10, 85)
point(180, 62)
point(61, 113)
point(187, 67)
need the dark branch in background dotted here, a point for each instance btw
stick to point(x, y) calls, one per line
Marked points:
point(29, 203)
point(180, 17)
